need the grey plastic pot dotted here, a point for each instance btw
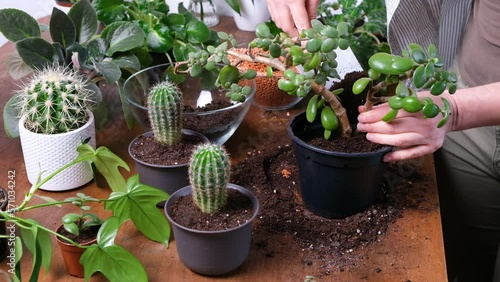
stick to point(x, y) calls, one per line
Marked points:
point(334, 184)
point(213, 252)
point(168, 178)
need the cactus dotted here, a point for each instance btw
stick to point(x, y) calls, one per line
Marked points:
point(209, 174)
point(164, 109)
point(55, 100)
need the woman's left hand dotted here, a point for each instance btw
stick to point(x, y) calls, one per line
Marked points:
point(411, 134)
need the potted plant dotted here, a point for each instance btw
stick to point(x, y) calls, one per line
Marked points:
point(54, 107)
point(97, 256)
point(105, 40)
point(161, 156)
point(211, 218)
point(314, 51)
point(367, 27)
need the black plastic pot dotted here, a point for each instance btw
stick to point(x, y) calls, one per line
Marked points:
point(168, 178)
point(213, 252)
point(334, 184)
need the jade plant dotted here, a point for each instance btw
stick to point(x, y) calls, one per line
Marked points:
point(314, 51)
point(55, 100)
point(209, 175)
point(129, 200)
point(164, 110)
point(366, 21)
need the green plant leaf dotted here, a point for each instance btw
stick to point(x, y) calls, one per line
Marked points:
point(114, 262)
point(109, 70)
point(11, 117)
point(107, 163)
point(70, 218)
point(197, 32)
point(62, 29)
point(39, 244)
point(84, 17)
point(138, 203)
point(130, 62)
point(16, 25)
point(107, 233)
point(123, 36)
point(235, 5)
point(109, 11)
point(36, 52)
point(16, 67)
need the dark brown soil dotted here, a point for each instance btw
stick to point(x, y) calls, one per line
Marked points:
point(216, 123)
point(238, 210)
point(357, 143)
point(272, 174)
point(148, 150)
point(85, 235)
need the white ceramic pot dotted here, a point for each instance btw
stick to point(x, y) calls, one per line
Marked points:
point(47, 152)
point(251, 14)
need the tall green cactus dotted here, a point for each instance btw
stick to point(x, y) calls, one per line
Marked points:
point(55, 100)
point(209, 174)
point(164, 109)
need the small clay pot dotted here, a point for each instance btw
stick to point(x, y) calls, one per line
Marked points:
point(72, 254)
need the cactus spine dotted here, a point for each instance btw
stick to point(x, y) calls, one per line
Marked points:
point(209, 174)
point(164, 108)
point(55, 100)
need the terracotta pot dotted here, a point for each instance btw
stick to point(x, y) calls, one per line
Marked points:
point(48, 152)
point(72, 254)
point(334, 184)
point(213, 252)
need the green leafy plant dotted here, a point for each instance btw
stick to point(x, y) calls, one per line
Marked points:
point(129, 200)
point(133, 32)
point(314, 51)
point(366, 22)
point(172, 34)
point(209, 175)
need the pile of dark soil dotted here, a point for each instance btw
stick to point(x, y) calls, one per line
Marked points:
point(272, 174)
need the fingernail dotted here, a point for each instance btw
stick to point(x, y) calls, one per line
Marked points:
point(361, 117)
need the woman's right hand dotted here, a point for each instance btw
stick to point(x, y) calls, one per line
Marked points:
point(292, 16)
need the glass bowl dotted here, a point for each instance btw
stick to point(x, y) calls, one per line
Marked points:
point(207, 111)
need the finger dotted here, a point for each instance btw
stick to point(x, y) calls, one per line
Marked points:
point(312, 8)
point(300, 17)
point(284, 20)
point(402, 140)
point(407, 153)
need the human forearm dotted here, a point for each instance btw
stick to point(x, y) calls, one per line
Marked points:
point(476, 107)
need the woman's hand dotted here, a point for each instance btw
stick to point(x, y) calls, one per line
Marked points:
point(293, 16)
point(411, 134)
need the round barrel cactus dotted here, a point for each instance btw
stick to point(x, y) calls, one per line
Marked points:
point(164, 109)
point(55, 100)
point(209, 174)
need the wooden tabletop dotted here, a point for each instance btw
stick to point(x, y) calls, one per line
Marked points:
point(411, 249)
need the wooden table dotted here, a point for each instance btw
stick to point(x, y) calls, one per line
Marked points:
point(411, 250)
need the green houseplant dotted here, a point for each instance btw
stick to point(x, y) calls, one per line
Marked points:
point(130, 200)
point(106, 40)
point(314, 51)
point(166, 137)
point(54, 108)
point(207, 247)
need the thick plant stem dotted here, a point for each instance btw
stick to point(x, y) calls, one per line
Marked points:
point(337, 107)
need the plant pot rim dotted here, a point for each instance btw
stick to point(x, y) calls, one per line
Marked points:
point(69, 244)
point(56, 135)
point(150, 133)
point(186, 191)
point(142, 107)
point(303, 143)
